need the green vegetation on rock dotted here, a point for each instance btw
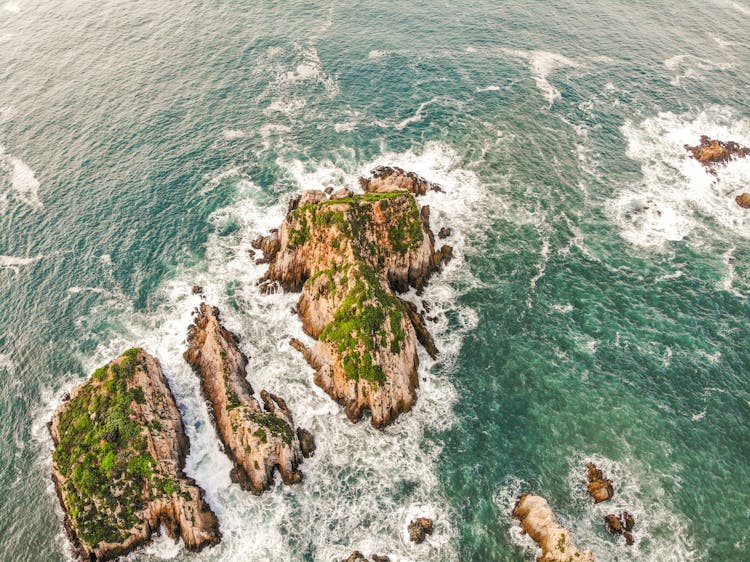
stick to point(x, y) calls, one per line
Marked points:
point(103, 456)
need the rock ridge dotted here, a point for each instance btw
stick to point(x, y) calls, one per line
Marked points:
point(257, 440)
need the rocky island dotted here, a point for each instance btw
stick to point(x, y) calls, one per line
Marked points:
point(350, 255)
point(258, 440)
point(120, 449)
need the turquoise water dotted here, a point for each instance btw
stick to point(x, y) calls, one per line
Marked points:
point(597, 309)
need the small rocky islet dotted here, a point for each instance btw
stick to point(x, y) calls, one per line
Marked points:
point(119, 439)
point(120, 449)
point(714, 152)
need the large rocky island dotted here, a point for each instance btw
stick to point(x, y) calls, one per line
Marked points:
point(257, 440)
point(350, 255)
point(120, 449)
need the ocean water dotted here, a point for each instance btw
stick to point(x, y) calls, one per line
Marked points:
point(597, 308)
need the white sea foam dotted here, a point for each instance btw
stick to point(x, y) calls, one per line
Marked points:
point(7, 363)
point(416, 117)
point(728, 279)
point(15, 263)
point(24, 186)
point(687, 67)
point(542, 64)
point(488, 89)
point(7, 113)
point(677, 197)
point(215, 179)
point(741, 8)
point(310, 69)
point(233, 134)
point(363, 485)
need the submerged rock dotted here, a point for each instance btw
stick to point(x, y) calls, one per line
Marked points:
point(743, 200)
point(538, 520)
point(120, 449)
point(348, 257)
point(599, 487)
point(419, 529)
point(257, 440)
point(710, 152)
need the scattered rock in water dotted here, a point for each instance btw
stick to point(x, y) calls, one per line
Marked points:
point(743, 200)
point(419, 529)
point(711, 152)
point(306, 442)
point(599, 487)
point(328, 190)
point(120, 449)
point(445, 232)
point(197, 290)
point(349, 257)
point(258, 440)
point(377, 558)
point(621, 525)
point(538, 520)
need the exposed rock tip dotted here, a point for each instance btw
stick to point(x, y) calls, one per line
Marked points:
point(419, 528)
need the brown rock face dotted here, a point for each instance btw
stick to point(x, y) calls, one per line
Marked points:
point(257, 440)
point(599, 488)
point(391, 178)
point(620, 526)
point(556, 542)
point(743, 200)
point(711, 152)
point(349, 256)
point(120, 449)
point(419, 529)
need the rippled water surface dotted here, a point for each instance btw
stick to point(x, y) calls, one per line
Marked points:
point(597, 308)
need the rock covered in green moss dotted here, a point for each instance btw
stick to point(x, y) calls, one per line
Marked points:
point(349, 256)
point(258, 440)
point(120, 449)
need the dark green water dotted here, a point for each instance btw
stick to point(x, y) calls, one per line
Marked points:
point(597, 309)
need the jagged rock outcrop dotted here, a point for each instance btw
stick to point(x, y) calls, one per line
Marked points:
point(538, 520)
point(349, 256)
point(120, 449)
point(258, 440)
point(599, 488)
point(711, 152)
point(384, 179)
point(743, 200)
point(621, 525)
point(419, 528)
